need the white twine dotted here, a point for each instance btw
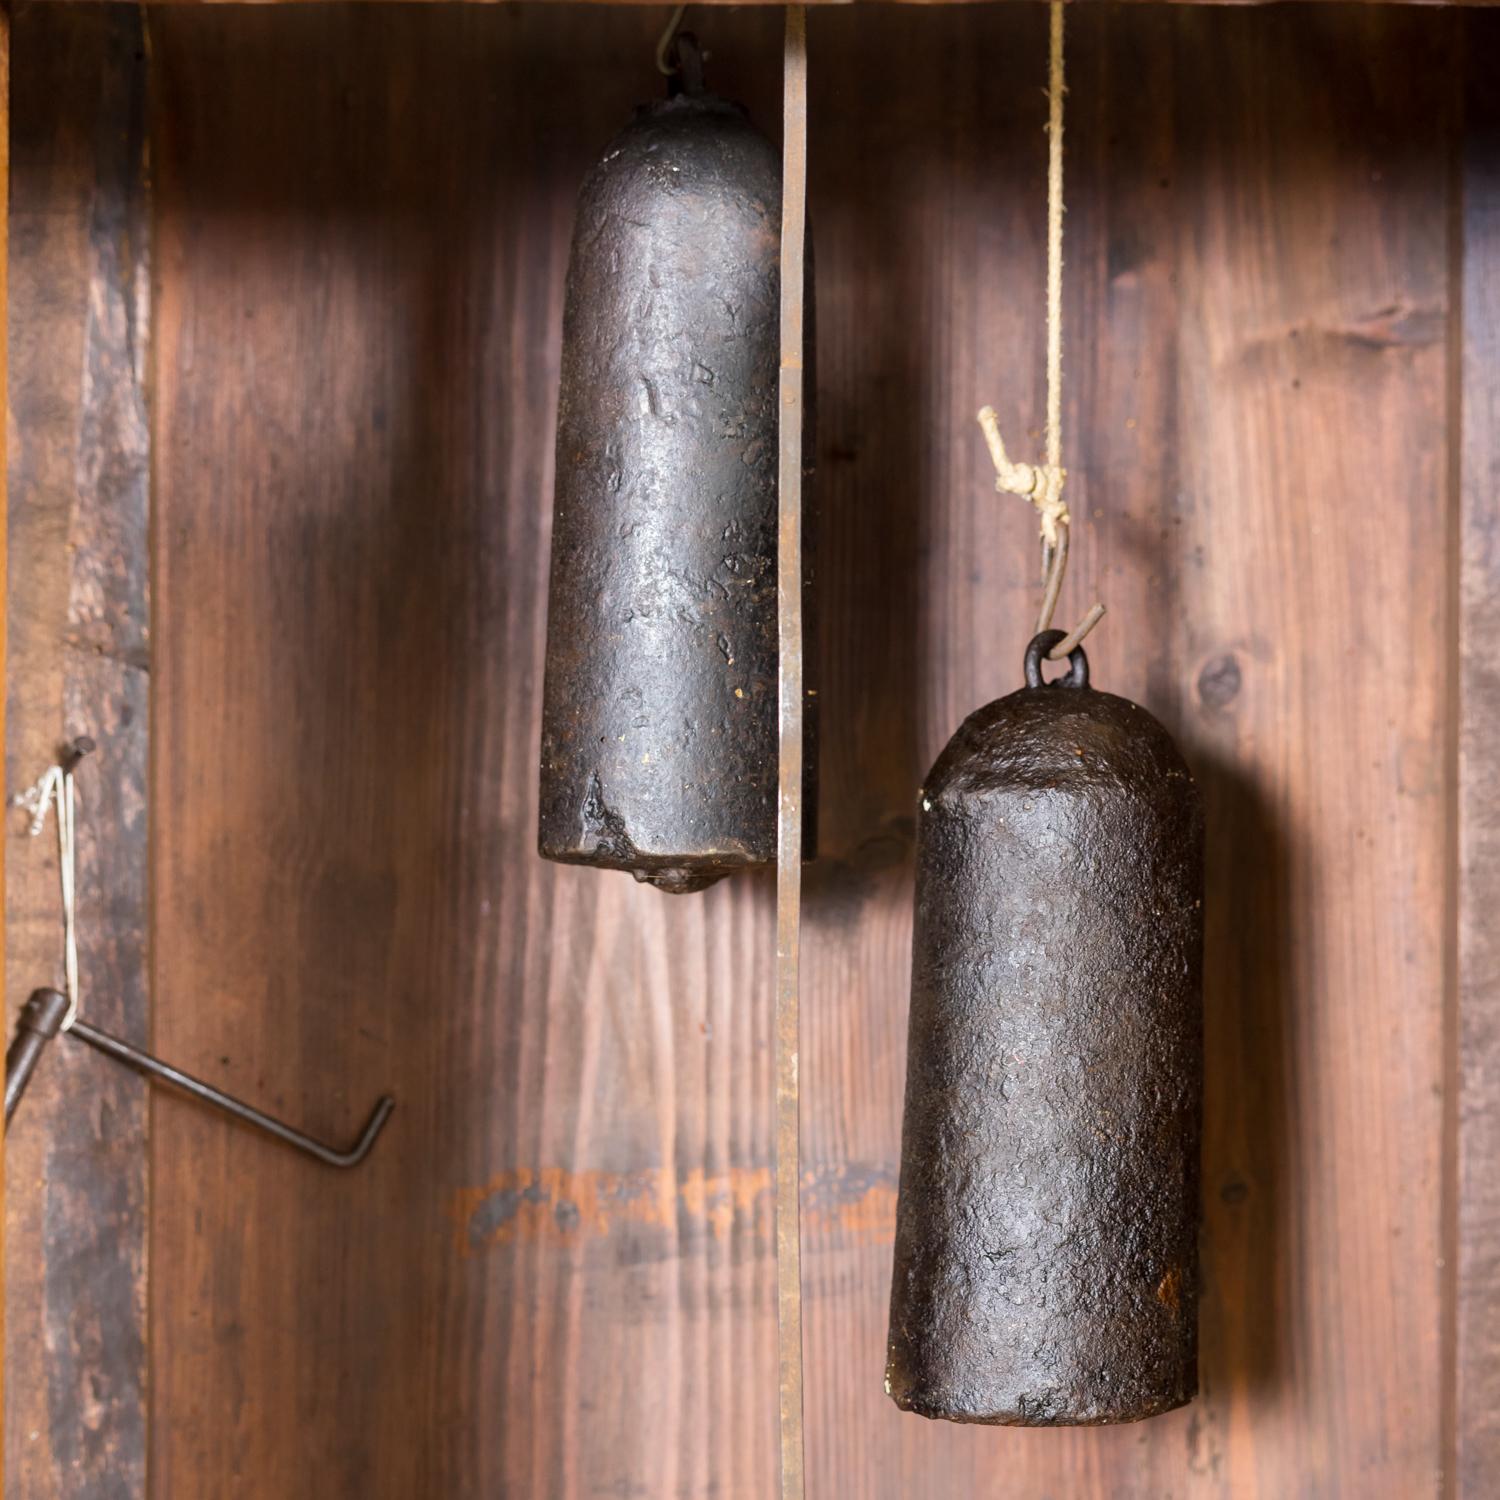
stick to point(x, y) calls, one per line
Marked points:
point(1042, 484)
point(55, 786)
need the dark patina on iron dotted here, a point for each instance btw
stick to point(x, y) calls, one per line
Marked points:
point(1046, 1267)
point(659, 719)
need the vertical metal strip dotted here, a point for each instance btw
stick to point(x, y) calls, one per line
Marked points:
point(4, 534)
point(789, 824)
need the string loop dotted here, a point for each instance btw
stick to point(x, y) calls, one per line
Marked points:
point(54, 789)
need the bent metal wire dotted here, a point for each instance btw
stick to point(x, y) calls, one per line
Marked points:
point(49, 1012)
point(41, 1020)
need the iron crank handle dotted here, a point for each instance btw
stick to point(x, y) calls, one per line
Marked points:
point(46, 1001)
point(41, 1018)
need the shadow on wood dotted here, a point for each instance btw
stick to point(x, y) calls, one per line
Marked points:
point(1249, 1153)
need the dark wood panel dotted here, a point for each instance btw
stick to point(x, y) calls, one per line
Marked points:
point(554, 1278)
point(1476, 1169)
point(76, 1192)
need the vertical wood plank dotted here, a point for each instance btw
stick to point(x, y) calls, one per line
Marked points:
point(77, 616)
point(1476, 1323)
point(363, 218)
point(1315, 385)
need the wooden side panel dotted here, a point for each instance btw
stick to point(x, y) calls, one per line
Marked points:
point(77, 612)
point(1476, 1322)
point(1255, 365)
point(553, 1276)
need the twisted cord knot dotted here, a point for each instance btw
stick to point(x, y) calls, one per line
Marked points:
point(1039, 483)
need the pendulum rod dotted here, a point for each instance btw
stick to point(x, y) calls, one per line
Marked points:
point(789, 817)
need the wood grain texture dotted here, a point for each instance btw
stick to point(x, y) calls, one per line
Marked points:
point(554, 1275)
point(1475, 1456)
point(1256, 305)
point(553, 1278)
point(77, 602)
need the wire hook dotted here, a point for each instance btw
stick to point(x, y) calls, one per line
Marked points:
point(664, 46)
point(49, 1011)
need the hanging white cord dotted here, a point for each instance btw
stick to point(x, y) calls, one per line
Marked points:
point(1042, 484)
point(56, 786)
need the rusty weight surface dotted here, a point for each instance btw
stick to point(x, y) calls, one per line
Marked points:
point(1046, 1235)
point(659, 728)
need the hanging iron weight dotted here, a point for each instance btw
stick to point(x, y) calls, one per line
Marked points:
point(1046, 1264)
point(659, 715)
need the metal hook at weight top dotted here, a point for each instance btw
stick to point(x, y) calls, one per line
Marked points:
point(42, 1018)
point(666, 62)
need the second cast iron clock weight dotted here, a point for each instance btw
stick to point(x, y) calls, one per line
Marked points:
point(1046, 1264)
